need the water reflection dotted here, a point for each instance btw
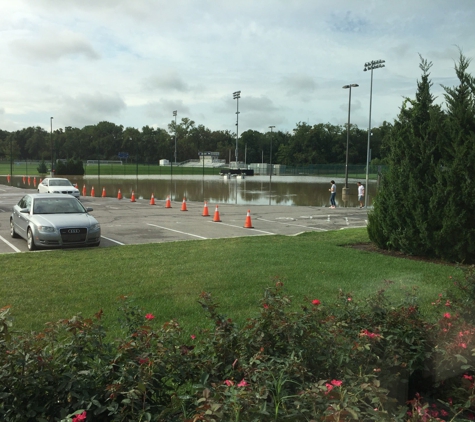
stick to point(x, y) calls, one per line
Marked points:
point(253, 190)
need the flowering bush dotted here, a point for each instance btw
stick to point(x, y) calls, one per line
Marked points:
point(340, 361)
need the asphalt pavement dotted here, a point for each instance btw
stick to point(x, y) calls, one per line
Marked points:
point(124, 222)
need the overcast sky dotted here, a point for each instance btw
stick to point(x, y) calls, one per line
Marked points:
point(133, 62)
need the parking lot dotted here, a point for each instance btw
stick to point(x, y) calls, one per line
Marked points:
point(124, 222)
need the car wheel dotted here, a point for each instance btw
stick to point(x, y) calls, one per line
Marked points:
point(30, 241)
point(13, 233)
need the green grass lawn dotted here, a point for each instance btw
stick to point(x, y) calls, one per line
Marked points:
point(166, 279)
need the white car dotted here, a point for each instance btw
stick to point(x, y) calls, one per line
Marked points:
point(58, 185)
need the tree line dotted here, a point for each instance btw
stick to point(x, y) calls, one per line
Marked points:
point(306, 145)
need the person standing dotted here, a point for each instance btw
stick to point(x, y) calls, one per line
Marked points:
point(360, 194)
point(332, 194)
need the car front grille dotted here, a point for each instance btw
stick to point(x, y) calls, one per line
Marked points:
point(73, 235)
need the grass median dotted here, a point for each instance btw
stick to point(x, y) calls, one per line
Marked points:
point(166, 278)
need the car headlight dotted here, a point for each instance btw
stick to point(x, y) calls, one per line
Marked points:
point(95, 227)
point(46, 229)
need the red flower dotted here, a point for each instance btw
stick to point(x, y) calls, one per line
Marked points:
point(193, 336)
point(315, 302)
point(229, 383)
point(447, 315)
point(243, 383)
point(150, 316)
point(266, 306)
point(80, 417)
point(336, 383)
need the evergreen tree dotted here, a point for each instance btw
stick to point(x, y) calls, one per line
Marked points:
point(455, 193)
point(402, 218)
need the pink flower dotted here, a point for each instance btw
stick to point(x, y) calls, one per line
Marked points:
point(266, 306)
point(350, 299)
point(468, 377)
point(336, 383)
point(80, 417)
point(447, 315)
point(150, 316)
point(463, 345)
point(444, 412)
point(369, 334)
point(243, 383)
point(193, 336)
point(315, 302)
point(329, 387)
point(447, 303)
point(229, 383)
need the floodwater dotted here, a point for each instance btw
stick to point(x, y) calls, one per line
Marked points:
point(252, 190)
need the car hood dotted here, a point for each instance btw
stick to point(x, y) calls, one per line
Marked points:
point(64, 220)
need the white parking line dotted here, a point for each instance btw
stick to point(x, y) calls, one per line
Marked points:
point(112, 240)
point(177, 231)
point(9, 244)
point(240, 227)
point(290, 224)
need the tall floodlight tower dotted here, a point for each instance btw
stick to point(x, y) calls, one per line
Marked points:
point(236, 96)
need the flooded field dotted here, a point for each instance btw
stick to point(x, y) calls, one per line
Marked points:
point(259, 190)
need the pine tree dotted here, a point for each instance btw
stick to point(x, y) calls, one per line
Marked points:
point(454, 195)
point(402, 218)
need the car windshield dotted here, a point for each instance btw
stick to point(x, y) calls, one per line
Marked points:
point(57, 206)
point(60, 182)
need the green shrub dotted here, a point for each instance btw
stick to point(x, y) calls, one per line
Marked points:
point(345, 360)
point(70, 167)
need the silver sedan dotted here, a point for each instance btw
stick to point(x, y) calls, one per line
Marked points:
point(58, 185)
point(54, 221)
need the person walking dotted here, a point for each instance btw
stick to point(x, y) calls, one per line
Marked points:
point(332, 194)
point(360, 194)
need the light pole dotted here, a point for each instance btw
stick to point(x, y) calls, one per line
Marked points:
point(236, 96)
point(270, 157)
point(51, 142)
point(175, 113)
point(348, 136)
point(374, 64)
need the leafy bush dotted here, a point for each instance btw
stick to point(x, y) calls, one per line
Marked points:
point(70, 167)
point(42, 168)
point(341, 361)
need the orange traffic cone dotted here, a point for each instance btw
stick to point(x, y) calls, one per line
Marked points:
point(29, 180)
point(93, 193)
point(168, 203)
point(41, 179)
point(24, 179)
point(119, 195)
point(216, 218)
point(132, 198)
point(183, 205)
point(248, 223)
point(205, 210)
point(34, 182)
point(104, 192)
point(84, 192)
point(8, 178)
point(152, 200)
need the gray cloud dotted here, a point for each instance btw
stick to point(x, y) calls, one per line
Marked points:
point(298, 85)
point(54, 46)
point(91, 108)
point(166, 81)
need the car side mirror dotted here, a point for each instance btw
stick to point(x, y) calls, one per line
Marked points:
point(89, 209)
point(25, 210)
